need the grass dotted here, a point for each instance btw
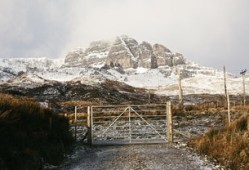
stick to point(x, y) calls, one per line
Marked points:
point(30, 135)
point(229, 145)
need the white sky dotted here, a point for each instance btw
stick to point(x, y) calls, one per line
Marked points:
point(209, 32)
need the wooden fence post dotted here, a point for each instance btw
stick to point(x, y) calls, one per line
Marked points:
point(149, 97)
point(75, 114)
point(228, 109)
point(88, 117)
point(89, 125)
point(244, 90)
point(225, 81)
point(180, 88)
point(169, 123)
point(75, 123)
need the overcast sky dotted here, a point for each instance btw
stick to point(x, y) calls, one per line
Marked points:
point(209, 32)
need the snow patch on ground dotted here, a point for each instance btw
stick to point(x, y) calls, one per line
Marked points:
point(151, 78)
point(164, 80)
point(205, 84)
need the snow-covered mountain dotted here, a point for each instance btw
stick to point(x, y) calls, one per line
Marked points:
point(124, 51)
point(124, 60)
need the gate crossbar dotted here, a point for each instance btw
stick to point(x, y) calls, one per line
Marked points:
point(147, 122)
point(115, 120)
point(129, 124)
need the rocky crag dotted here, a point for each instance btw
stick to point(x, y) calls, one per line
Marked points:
point(126, 52)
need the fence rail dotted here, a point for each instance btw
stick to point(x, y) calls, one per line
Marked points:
point(124, 124)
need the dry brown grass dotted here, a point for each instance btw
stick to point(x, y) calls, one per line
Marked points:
point(76, 103)
point(230, 145)
point(196, 109)
point(29, 133)
point(8, 101)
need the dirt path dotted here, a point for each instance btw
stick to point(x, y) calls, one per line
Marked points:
point(136, 157)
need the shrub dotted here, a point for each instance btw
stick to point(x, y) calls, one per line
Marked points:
point(230, 145)
point(27, 138)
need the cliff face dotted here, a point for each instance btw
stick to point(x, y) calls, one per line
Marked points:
point(120, 53)
point(94, 54)
point(124, 51)
point(145, 55)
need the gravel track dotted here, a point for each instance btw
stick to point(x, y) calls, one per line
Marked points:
point(137, 157)
point(147, 157)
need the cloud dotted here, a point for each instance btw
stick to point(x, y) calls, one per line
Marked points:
point(34, 28)
point(210, 32)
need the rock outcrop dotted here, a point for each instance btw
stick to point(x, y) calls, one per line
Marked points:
point(126, 52)
point(145, 55)
point(74, 57)
point(95, 54)
point(163, 55)
point(120, 54)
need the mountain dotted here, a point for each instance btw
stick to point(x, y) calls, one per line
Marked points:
point(126, 52)
point(122, 60)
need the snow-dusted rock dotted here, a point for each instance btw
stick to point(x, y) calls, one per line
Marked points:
point(145, 55)
point(120, 54)
point(163, 55)
point(74, 57)
point(124, 51)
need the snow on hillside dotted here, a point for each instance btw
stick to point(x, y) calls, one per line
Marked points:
point(61, 74)
point(144, 78)
point(27, 80)
point(204, 84)
point(24, 64)
point(4, 76)
point(196, 79)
